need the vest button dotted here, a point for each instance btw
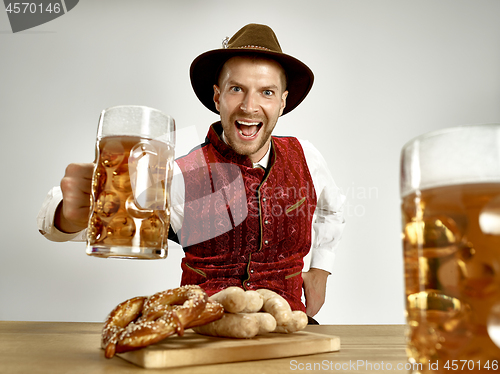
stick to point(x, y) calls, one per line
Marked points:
point(251, 271)
point(264, 199)
point(266, 222)
point(266, 242)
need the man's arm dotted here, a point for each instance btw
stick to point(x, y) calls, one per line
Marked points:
point(65, 211)
point(328, 225)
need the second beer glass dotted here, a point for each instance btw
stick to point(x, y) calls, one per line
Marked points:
point(450, 189)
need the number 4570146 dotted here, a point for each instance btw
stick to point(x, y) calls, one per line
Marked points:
point(32, 8)
point(471, 365)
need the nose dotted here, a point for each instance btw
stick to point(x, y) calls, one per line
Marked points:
point(249, 103)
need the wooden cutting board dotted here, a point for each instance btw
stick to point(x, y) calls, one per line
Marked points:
point(194, 349)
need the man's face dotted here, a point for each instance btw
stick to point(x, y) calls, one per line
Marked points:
point(250, 97)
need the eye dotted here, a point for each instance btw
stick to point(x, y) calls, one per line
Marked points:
point(268, 93)
point(235, 89)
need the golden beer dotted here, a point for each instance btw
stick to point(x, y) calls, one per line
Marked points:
point(451, 240)
point(450, 191)
point(129, 213)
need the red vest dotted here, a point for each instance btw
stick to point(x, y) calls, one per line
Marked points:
point(243, 226)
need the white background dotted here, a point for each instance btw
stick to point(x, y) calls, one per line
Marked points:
point(386, 71)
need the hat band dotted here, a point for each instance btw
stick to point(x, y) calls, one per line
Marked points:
point(255, 47)
point(225, 45)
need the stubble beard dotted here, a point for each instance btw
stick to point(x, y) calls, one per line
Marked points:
point(255, 146)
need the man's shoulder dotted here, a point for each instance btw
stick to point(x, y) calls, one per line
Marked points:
point(284, 140)
point(306, 145)
point(312, 155)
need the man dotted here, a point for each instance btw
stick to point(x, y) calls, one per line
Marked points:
point(250, 83)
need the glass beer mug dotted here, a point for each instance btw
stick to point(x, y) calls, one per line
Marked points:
point(130, 215)
point(450, 190)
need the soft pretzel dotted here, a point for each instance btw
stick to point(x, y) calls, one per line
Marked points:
point(142, 321)
point(123, 314)
point(213, 311)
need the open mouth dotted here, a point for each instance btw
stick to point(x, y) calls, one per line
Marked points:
point(248, 129)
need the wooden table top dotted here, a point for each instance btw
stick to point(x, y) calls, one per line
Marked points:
point(72, 347)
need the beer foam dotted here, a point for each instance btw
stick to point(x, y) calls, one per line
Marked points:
point(459, 155)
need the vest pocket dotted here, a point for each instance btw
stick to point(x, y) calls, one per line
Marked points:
point(198, 271)
point(296, 205)
point(294, 274)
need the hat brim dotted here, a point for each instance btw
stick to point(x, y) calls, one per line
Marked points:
point(206, 66)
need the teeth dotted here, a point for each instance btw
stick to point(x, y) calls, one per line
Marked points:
point(248, 123)
point(242, 123)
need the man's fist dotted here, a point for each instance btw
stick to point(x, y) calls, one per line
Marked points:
point(73, 213)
